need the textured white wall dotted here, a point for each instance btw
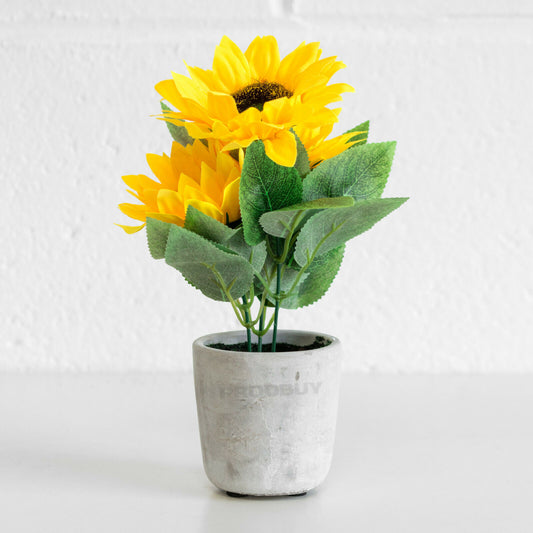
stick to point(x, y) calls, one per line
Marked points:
point(445, 284)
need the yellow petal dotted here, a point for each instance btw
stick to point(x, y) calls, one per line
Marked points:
point(297, 61)
point(230, 66)
point(226, 165)
point(206, 208)
point(321, 96)
point(138, 182)
point(162, 168)
point(187, 88)
point(263, 57)
point(210, 183)
point(235, 145)
point(170, 203)
point(167, 89)
point(187, 182)
point(230, 203)
point(204, 78)
point(135, 211)
point(282, 148)
point(221, 106)
point(193, 193)
point(172, 219)
point(131, 229)
point(279, 111)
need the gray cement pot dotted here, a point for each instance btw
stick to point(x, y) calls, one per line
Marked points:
point(267, 420)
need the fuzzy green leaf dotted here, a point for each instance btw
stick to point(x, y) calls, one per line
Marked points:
point(360, 134)
point(302, 159)
point(157, 234)
point(255, 255)
point(178, 133)
point(279, 223)
point(265, 186)
point(332, 227)
point(360, 173)
point(316, 283)
point(206, 226)
point(200, 261)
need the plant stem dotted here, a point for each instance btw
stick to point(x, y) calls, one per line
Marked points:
point(276, 311)
point(247, 318)
point(261, 327)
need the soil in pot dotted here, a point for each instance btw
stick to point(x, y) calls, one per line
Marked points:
point(319, 342)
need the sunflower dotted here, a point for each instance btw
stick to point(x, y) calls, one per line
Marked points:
point(201, 175)
point(256, 95)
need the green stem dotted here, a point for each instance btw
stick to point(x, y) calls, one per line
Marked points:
point(276, 311)
point(261, 327)
point(247, 319)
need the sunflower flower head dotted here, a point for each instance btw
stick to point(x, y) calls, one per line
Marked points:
point(199, 175)
point(256, 95)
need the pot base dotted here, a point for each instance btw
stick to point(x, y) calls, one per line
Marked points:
point(237, 495)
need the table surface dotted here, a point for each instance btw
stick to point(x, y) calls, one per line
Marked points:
point(121, 453)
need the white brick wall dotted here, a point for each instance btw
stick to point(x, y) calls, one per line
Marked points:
point(444, 285)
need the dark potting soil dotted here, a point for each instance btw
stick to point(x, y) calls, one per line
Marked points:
point(319, 342)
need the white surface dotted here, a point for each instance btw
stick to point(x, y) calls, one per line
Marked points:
point(444, 284)
point(116, 453)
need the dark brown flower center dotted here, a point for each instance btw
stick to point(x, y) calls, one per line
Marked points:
point(256, 94)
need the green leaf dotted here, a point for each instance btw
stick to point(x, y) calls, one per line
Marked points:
point(320, 276)
point(202, 263)
point(255, 255)
point(157, 234)
point(265, 186)
point(207, 227)
point(332, 227)
point(178, 133)
point(302, 159)
point(360, 134)
point(360, 173)
point(279, 223)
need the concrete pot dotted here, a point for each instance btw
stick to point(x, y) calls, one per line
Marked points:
point(267, 420)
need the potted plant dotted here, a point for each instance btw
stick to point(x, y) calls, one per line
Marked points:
point(254, 206)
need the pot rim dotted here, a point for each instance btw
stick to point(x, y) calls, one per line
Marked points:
point(240, 336)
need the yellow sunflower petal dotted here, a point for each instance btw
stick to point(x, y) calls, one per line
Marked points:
point(135, 211)
point(279, 111)
point(149, 198)
point(187, 88)
point(161, 166)
point(210, 183)
point(222, 106)
point(263, 57)
point(172, 219)
point(170, 203)
point(131, 229)
point(282, 148)
point(204, 78)
point(187, 182)
point(295, 62)
point(167, 89)
point(226, 166)
point(330, 148)
point(138, 182)
point(207, 208)
point(235, 145)
point(230, 203)
point(231, 66)
point(322, 96)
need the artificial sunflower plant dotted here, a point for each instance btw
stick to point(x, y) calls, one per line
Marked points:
point(255, 203)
